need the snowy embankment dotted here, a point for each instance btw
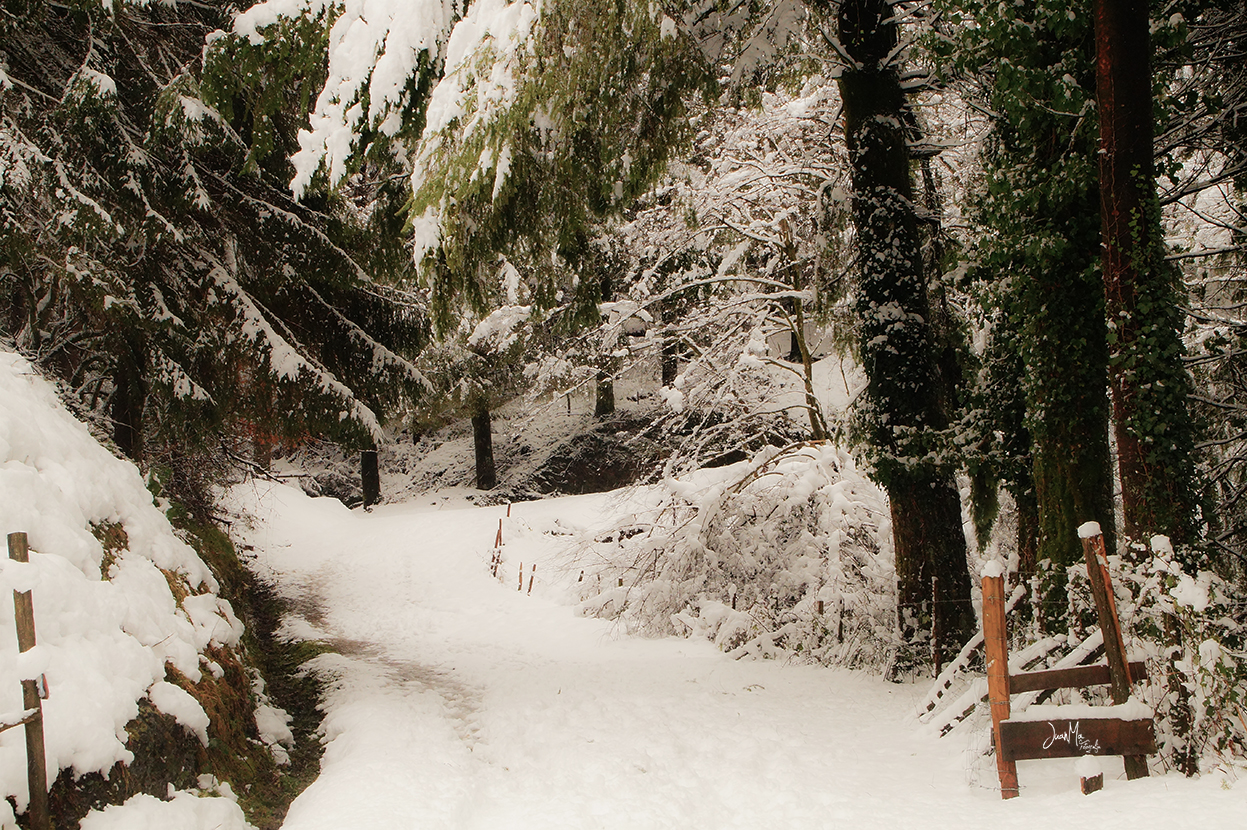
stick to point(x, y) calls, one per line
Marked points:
point(107, 622)
point(457, 701)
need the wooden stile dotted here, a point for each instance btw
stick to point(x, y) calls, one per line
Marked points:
point(1134, 739)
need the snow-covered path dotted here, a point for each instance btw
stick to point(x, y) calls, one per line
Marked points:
point(459, 702)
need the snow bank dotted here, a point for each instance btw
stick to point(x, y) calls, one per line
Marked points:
point(184, 810)
point(107, 624)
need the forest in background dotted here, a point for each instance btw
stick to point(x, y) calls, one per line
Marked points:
point(231, 230)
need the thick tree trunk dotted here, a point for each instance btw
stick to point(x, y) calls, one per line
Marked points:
point(906, 390)
point(1073, 485)
point(483, 440)
point(933, 584)
point(1149, 384)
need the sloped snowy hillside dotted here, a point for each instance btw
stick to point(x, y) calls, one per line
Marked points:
point(108, 621)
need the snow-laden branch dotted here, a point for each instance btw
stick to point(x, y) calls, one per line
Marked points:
point(382, 356)
point(374, 51)
point(286, 362)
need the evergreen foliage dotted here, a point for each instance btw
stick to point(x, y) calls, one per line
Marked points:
point(536, 134)
point(151, 254)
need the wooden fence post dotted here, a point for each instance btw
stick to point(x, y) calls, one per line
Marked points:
point(1114, 645)
point(996, 644)
point(36, 755)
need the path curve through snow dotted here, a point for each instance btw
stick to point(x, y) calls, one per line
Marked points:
point(458, 702)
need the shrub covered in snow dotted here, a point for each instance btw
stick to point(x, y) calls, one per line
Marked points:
point(1191, 627)
point(787, 554)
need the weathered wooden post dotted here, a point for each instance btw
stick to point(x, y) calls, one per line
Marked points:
point(996, 644)
point(1114, 645)
point(36, 756)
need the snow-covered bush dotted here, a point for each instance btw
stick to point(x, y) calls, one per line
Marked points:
point(787, 554)
point(1191, 628)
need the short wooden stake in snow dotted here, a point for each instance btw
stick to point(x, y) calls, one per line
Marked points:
point(532, 573)
point(521, 577)
point(36, 756)
point(1091, 774)
point(1092, 784)
point(495, 558)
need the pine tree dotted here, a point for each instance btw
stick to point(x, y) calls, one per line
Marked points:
point(537, 132)
point(151, 254)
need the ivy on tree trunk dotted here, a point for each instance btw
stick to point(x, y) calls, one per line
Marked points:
point(1149, 385)
point(1037, 264)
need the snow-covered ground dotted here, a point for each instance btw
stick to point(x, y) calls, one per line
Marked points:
point(458, 701)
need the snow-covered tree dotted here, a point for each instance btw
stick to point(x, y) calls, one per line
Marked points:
point(151, 254)
point(910, 397)
point(736, 259)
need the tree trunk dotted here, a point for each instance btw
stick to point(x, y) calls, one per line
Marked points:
point(482, 438)
point(604, 399)
point(1073, 485)
point(129, 399)
point(818, 424)
point(370, 477)
point(907, 395)
point(670, 360)
point(1149, 384)
point(933, 582)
